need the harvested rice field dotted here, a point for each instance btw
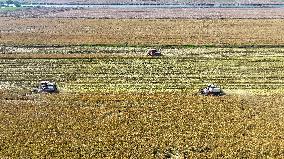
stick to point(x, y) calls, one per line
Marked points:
point(114, 101)
point(137, 32)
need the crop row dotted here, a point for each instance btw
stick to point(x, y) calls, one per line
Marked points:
point(139, 73)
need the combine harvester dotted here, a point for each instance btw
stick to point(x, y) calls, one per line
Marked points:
point(212, 90)
point(46, 87)
point(153, 52)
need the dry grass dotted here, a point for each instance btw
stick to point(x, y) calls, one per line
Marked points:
point(146, 125)
point(140, 32)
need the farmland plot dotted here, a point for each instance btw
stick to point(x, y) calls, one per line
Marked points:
point(137, 32)
point(141, 125)
point(165, 13)
point(115, 102)
point(126, 105)
point(148, 13)
point(178, 70)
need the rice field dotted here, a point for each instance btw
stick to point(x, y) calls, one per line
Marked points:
point(163, 13)
point(116, 102)
point(141, 125)
point(137, 32)
point(122, 104)
point(186, 69)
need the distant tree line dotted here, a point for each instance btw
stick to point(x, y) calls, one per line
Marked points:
point(10, 2)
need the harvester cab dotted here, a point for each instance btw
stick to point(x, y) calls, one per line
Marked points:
point(46, 87)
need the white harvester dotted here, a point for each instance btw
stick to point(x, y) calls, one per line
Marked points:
point(212, 90)
point(46, 87)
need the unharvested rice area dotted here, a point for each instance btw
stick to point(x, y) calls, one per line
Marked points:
point(141, 125)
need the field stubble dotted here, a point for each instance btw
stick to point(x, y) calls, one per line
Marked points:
point(133, 32)
point(185, 69)
point(148, 13)
point(166, 13)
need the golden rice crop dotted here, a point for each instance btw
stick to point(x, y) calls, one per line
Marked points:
point(141, 125)
point(165, 119)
